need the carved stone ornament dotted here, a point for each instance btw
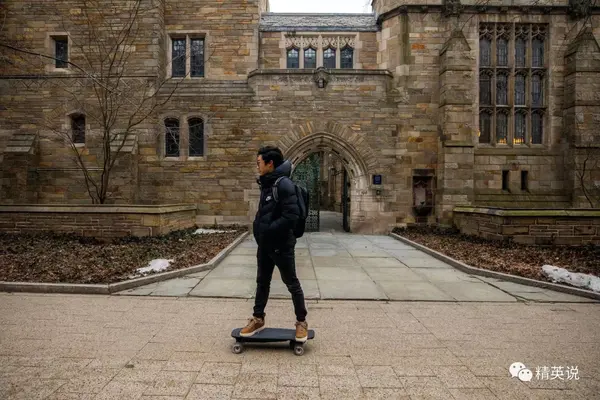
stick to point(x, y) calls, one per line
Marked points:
point(321, 77)
point(451, 8)
point(400, 95)
point(580, 8)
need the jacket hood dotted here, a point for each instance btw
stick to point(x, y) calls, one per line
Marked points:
point(285, 169)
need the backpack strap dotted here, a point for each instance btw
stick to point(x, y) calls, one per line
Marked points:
point(275, 194)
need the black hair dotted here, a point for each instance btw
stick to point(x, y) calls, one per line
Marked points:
point(270, 153)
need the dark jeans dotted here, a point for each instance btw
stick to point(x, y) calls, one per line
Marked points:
point(286, 262)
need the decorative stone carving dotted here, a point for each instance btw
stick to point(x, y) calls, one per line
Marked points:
point(321, 77)
point(311, 41)
point(330, 41)
point(293, 41)
point(347, 41)
point(451, 8)
point(580, 8)
point(400, 95)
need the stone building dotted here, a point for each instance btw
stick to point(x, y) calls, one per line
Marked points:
point(393, 117)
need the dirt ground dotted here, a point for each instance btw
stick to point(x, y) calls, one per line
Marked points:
point(511, 258)
point(65, 258)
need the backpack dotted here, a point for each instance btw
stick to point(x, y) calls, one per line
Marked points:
point(303, 202)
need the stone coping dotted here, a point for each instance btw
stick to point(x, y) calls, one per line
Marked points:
point(78, 288)
point(311, 71)
point(514, 212)
point(498, 275)
point(317, 22)
point(96, 208)
point(473, 7)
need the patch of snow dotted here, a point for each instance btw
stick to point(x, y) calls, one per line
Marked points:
point(157, 265)
point(203, 231)
point(585, 281)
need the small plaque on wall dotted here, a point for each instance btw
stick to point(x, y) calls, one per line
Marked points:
point(377, 180)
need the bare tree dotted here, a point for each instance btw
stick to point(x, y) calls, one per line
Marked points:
point(109, 89)
point(587, 173)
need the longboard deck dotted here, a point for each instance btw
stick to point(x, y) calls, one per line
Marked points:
point(270, 335)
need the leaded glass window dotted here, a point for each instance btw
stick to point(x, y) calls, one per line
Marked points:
point(172, 137)
point(520, 127)
point(310, 58)
point(293, 59)
point(178, 60)
point(502, 88)
point(520, 89)
point(485, 89)
point(61, 50)
point(502, 51)
point(512, 83)
point(347, 57)
point(196, 137)
point(78, 128)
point(329, 58)
point(502, 127)
point(485, 127)
point(537, 127)
point(197, 59)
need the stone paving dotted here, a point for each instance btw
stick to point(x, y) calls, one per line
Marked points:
point(337, 265)
point(66, 347)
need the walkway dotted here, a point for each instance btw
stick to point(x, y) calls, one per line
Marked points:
point(337, 265)
point(62, 347)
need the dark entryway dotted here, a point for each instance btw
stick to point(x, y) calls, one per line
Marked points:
point(326, 179)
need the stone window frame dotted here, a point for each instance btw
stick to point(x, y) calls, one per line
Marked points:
point(50, 44)
point(513, 71)
point(320, 41)
point(184, 136)
point(287, 56)
point(67, 127)
point(188, 35)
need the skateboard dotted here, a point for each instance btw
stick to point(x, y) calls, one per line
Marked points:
point(268, 335)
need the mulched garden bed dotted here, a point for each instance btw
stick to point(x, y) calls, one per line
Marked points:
point(67, 258)
point(507, 257)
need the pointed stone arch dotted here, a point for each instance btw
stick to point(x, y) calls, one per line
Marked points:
point(367, 213)
point(349, 146)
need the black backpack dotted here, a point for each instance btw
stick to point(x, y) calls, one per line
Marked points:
point(303, 202)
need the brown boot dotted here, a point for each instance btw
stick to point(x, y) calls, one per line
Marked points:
point(255, 325)
point(301, 331)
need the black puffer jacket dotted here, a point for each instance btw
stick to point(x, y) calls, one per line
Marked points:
point(274, 221)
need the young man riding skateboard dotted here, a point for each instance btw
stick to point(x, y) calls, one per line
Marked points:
point(273, 231)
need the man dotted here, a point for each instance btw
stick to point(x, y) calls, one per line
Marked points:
point(273, 231)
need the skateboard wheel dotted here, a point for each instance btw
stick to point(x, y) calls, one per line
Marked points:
point(237, 348)
point(292, 345)
point(298, 350)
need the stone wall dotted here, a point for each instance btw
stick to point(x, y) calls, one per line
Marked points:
point(539, 227)
point(97, 221)
point(230, 29)
point(433, 51)
point(240, 119)
point(410, 112)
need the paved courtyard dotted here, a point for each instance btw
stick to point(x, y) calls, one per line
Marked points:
point(65, 347)
point(432, 333)
point(338, 265)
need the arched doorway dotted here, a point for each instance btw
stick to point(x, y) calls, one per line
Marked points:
point(356, 210)
point(325, 177)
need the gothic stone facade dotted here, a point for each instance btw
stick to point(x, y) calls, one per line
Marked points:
point(450, 103)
